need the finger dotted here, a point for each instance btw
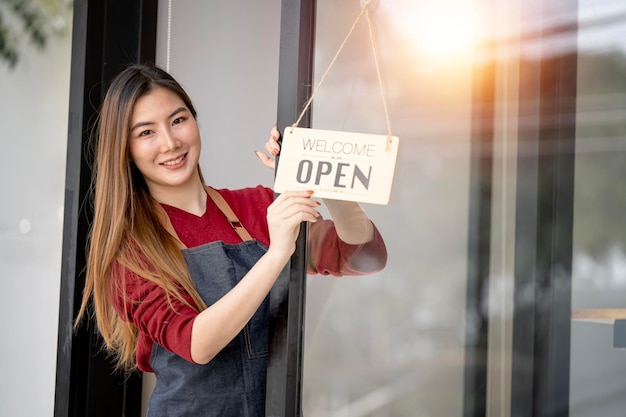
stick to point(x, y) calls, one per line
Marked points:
point(265, 160)
point(291, 202)
point(272, 147)
point(285, 195)
point(292, 215)
point(287, 198)
point(275, 133)
point(289, 207)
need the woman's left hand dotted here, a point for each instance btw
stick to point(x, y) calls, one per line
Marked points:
point(271, 147)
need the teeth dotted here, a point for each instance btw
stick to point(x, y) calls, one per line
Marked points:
point(175, 161)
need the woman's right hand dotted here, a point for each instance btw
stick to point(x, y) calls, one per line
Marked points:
point(284, 216)
point(216, 326)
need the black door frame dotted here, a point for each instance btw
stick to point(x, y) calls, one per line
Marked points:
point(107, 35)
point(288, 297)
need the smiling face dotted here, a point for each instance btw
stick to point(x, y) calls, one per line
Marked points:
point(164, 142)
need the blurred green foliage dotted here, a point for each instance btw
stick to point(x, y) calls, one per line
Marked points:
point(30, 22)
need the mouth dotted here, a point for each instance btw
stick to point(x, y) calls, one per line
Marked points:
point(173, 162)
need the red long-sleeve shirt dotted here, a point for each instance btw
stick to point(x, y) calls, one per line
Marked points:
point(171, 327)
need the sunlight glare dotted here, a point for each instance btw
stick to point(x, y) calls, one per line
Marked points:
point(438, 29)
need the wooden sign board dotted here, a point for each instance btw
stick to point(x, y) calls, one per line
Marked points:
point(337, 165)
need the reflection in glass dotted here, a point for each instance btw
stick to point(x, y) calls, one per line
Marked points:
point(392, 343)
point(599, 268)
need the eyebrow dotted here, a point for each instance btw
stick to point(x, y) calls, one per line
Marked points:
point(174, 113)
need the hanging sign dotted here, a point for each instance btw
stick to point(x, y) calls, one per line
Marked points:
point(337, 165)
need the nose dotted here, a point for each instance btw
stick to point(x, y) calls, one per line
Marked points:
point(169, 140)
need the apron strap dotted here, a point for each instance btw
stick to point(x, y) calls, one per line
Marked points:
point(229, 213)
point(220, 203)
point(167, 224)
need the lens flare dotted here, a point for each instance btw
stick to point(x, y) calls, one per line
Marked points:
point(441, 30)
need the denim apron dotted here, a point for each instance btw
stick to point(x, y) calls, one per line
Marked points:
point(233, 383)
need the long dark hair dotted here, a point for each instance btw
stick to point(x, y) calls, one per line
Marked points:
point(127, 231)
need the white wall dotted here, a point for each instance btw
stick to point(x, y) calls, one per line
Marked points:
point(34, 99)
point(225, 54)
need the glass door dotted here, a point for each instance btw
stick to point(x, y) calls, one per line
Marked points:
point(393, 343)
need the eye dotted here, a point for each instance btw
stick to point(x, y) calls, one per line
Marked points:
point(178, 120)
point(145, 132)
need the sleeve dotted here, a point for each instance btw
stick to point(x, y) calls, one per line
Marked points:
point(146, 305)
point(329, 255)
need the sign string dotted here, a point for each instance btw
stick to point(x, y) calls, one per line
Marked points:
point(169, 36)
point(380, 79)
point(364, 10)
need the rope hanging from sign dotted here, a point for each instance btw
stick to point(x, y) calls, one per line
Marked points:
point(169, 36)
point(340, 165)
point(365, 10)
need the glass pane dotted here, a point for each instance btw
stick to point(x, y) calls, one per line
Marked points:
point(391, 344)
point(599, 273)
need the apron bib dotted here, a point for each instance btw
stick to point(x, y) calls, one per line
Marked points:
point(233, 383)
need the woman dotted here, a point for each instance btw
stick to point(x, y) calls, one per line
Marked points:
point(179, 272)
